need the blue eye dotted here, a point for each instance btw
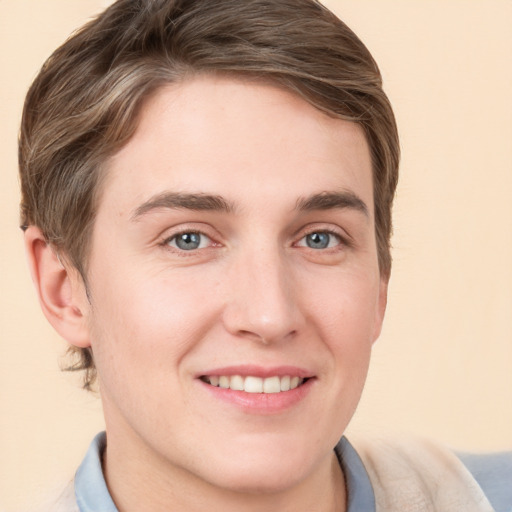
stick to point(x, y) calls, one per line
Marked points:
point(189, 241)
point(320, 240)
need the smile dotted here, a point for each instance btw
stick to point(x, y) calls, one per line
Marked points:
point(251, 384)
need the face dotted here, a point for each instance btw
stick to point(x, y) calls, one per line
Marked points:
point(234, 284)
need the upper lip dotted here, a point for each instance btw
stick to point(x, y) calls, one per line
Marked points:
point(259, 371)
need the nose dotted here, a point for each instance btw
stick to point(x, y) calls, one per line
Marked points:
point(262, 301)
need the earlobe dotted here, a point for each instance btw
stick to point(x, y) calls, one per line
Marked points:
point(61, 291)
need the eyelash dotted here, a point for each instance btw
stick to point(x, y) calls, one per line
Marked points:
point(343, 241)
point(166, 242)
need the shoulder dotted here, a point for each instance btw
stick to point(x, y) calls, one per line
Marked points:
point(432, 477)
point(65, 501)
point(493, 472)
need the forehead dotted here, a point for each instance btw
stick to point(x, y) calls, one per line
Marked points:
point(232, 137)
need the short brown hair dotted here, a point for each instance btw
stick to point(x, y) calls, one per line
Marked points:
point(83, 105)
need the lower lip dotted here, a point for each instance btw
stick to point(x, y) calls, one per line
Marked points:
point(261, 403)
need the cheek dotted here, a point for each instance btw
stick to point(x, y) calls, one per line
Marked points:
point(346, 313)
point(347, 310)
point(155, 318)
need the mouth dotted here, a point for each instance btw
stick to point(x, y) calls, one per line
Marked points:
point(252, 384)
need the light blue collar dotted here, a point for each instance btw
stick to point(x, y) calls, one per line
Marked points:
point(90, 487)
point(360, 495)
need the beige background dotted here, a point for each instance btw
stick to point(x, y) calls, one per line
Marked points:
point(443, 365)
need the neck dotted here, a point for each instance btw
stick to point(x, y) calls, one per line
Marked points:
point(139, 480)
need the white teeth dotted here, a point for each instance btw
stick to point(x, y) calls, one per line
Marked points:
point(223, 382)
point(272, 385)
point(285, 383)
point(294, 382)
point(252, 384)
point(237, 383)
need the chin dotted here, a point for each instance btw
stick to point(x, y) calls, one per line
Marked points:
point(259, 478)
point(261, 469)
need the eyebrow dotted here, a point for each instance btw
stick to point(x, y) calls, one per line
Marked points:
point(332, 200)
point(207, 202)
point(176, 200)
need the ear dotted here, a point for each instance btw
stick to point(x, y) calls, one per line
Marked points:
point(61, 290)
point(382, 302)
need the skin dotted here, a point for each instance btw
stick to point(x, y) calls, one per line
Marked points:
point(253, 292)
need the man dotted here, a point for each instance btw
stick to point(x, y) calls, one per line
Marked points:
point(207, 191)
